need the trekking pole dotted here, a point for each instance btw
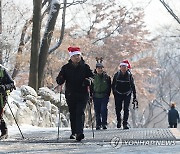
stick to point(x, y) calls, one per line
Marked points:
point(15, 120)
point(59, 113)
point(89, 100)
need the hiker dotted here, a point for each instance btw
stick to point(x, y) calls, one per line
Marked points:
point(173, 116)
point(76, 75)
point(6, 86)
point(123, 86)
point(101, 93)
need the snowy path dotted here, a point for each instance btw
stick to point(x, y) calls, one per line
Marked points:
point(44, 140)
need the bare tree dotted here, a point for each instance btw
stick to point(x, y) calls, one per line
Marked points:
point(20, 48)
point(46, 41)
point(167, 90)
point(45, 49)
point(33, 75)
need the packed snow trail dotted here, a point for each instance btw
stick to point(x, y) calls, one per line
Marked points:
point(44, 140)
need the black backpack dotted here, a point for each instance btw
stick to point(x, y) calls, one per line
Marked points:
point(130, 80)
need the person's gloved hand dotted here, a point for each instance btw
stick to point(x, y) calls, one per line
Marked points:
point(87, 82)
point(134, 99)
point(135, 102)
point(2, 89)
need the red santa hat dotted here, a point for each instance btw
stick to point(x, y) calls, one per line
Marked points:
point(74, 51)
point(125, 63)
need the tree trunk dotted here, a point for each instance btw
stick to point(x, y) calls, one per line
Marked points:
point(20, 49)
point(0, 34)
point(62, 29)
point(35, 44)
point(46, 42)
point(0, 18)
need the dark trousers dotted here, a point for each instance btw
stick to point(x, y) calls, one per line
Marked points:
point(3, 126)
point(101, 111)
point(173, 125)
point(119, 101)
point(77, 116)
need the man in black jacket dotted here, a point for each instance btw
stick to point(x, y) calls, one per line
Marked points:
point(6, 86)
point(77, 76)
point(122, 87)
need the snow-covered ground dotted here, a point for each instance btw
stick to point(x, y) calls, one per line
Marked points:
point(41, 138)
point(44, 140)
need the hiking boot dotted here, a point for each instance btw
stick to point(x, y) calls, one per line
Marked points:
point(79, 137)
point(4, 136)
point(104, 127)
point(118, 125)
point(125, 127)
point(72, 136)
point(98, 128)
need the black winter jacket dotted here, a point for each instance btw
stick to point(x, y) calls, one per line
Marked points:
point(123, 84)
point(75, 79)
point(6, 83)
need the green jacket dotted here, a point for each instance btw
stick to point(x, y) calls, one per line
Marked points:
point(6, 85)
point(101, 85)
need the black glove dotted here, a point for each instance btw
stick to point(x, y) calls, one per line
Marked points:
point(86, 82)
point(2, 89)
point(10, 87)
point(135, 103)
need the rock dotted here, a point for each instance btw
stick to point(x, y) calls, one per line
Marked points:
point(27, 90)
point(37, 110)
point(54, 109)
point(46, 93)
point(33, 99)
point(47, 104)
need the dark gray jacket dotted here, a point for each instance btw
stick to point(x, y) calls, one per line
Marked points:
point(173, 116)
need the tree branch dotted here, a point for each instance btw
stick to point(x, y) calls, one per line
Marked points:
point(62, 29)
point(170, 11)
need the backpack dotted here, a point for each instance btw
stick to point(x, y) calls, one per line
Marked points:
point(129, 79)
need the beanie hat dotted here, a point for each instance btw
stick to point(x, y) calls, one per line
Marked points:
point(99, 65)
point(74, 51)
